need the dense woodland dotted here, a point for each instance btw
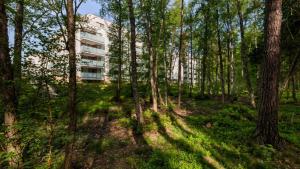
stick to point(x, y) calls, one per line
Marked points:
point(235, 103)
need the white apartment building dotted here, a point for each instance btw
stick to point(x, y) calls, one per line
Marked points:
point(92, 46)
point(92, 49)
point(186, 73)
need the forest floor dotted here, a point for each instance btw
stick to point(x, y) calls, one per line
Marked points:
point(203, 134)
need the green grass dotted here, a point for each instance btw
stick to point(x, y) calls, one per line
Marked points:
point(227, 143)
point(214, 135)
point(290, 123)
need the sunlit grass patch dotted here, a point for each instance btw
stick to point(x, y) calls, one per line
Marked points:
point(289, 125)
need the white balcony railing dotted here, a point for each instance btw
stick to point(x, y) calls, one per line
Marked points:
point(139, 51)
point(91, 76)
point(93, 51)
point(96, 38)
point(92, 63)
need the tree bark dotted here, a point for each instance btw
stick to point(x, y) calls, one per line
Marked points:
point(205, 54)
point(229, 52)
point(72, 84)
point(294, 92)
point(119, 80)
point(191, 61)
point(267, 124)
point(165, 53)
point(19, 16)
point(180, 56)
point(134, 84)
point(244, 57)
point(291, 73)
point(152, 60)
point(8, 94)
point(221, 60)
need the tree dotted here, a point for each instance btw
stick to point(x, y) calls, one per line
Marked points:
point(117, 37)
point(205, 50)
point(244, 57)
point(19, 17)
point(152, 54)
point(180, 55)
point(220, 58)
point(134, 82)
point(191, 54)
point(267, 124)
point(120, 48)
point(230, 57)
point(72, 83)
point(8, 94)
point(163, 12)
point(289, 47)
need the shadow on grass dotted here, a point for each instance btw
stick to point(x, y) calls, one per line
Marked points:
point(174, 118)
point(96, 129)
point(182, 145)
point(231, 137)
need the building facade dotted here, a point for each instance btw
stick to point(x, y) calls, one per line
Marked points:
point(93, 55)
point(92, 47)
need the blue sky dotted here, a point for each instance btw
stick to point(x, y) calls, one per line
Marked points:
point(90, 7)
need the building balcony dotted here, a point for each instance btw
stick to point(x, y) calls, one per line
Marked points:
point(92, 51)
point(91, 38)
point(139, 51)
point(91, 76)
point(92, 63)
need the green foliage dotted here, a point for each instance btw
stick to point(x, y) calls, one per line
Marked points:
point(211, 135)
point(214, 135)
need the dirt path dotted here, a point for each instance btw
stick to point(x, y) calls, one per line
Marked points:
point(109, 145)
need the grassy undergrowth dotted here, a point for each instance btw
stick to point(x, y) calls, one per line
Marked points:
point(203, 134)
point(218, 138)
point(209, 135)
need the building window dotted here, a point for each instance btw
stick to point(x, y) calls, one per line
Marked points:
point(99, 58)
point(89, 30)
point(91, 70)
point(99, 46)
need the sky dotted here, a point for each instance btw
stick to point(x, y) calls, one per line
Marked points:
point(90, 7)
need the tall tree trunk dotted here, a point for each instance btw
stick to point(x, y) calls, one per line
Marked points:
point(138, 108)
point(291, 73)
point(19, 16)
point(180, 56)
point(165, 53)
point(228, 66)
point(72, 84)
point(221, 60)
point(215, 87)
point(171, 58)
point(8, 94)
point(244, 55)
point(294, 92)
point(229, 52)
point(119, 81)
point(152, 59)
point(205, 55)
point(199, 67)
point(191, 61)
point(267, 124)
